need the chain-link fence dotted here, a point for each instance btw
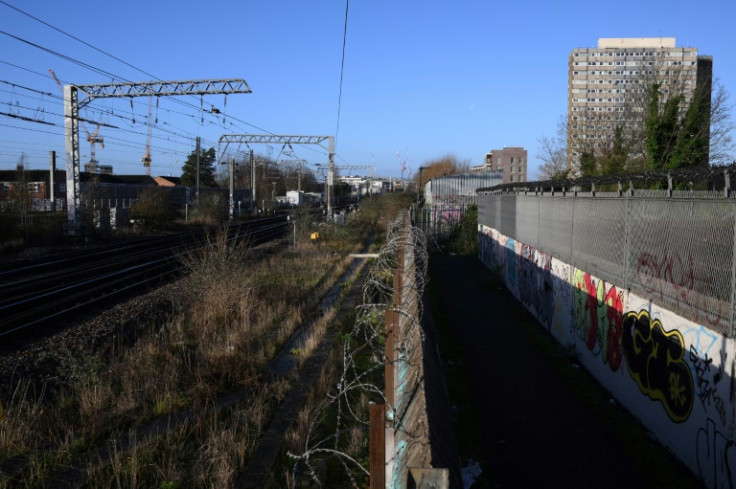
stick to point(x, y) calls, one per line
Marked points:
point(438, 221)
point(676, 250)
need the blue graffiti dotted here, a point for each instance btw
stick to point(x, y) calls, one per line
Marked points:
point(511, 262)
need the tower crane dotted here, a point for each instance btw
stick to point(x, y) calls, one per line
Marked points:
point(147, 157)
point(93, 139)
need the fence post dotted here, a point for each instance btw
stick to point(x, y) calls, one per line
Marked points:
point(377, 447)
point(627, 231)
point(733, 277)
point(726, 183)
point(388, 371)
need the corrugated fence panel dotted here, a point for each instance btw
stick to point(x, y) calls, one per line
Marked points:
point(681, 255)
point(486, 211)
point(460, 188)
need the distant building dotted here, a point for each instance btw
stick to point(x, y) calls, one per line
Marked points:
point(460, 188)
point(511, 161)
point(608, 85)
point(167, 181)
point(38, 184)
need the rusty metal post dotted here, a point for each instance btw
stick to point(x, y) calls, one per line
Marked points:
point(377, 447)
point(390, 357)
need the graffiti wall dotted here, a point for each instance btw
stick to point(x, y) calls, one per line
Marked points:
point(675, 375)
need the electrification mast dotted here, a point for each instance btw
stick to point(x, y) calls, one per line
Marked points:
point(72, 104)
point(285, 140)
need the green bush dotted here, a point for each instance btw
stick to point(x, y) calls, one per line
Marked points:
point(154, 210)
point(464, 240)
point(212, 208)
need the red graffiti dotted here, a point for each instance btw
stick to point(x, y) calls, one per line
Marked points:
point(599, 317)
point(677, 279)
point(614, 307)
point(585, 308)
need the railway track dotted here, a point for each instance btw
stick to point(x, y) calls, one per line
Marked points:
point(34, 292)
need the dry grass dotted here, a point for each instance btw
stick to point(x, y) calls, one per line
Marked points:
point(234, 314)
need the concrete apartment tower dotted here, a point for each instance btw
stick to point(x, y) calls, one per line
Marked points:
point(510, 160)
point(609, 86)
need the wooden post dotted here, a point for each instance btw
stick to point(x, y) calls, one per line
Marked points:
point(377, 447)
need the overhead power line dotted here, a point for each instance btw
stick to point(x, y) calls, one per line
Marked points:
point(60, 55)
point(233, 121)
point(77, 39)
point(342, 70)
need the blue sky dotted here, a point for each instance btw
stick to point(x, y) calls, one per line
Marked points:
point(421, 78)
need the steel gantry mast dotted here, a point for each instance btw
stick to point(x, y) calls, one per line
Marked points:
point(72, 104)
point(285, 140)
point(360, 167)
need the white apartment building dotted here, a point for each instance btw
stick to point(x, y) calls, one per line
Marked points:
point(607, 86)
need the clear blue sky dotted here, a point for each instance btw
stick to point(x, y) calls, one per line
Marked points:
point(421, 78)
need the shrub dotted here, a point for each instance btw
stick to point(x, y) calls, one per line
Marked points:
point(154, 210)
point(212, 208)
point(464, 240)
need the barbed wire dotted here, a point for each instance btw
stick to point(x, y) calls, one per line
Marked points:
point(364, 353)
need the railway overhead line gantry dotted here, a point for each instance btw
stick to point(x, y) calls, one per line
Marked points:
point(286, 141)
point(73, 103)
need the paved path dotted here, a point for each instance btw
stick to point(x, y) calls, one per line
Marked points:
point(536, 431)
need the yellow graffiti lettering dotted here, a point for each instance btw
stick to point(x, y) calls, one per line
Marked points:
point(677, 389)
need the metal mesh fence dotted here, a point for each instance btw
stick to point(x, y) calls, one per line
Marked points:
point(678, 252)
point(527, 220)
point(598, 237)
point(555, 226)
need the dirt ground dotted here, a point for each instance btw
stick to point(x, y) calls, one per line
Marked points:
point(533, 417)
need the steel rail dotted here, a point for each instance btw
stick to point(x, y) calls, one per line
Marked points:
point(101, 281)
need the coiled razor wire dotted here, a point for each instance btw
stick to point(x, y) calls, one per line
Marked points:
point(367, 339)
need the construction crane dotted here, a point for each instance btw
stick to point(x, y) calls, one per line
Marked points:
point(147, 157)
point(92, 139)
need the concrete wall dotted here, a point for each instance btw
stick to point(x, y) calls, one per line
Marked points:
point(675, 375)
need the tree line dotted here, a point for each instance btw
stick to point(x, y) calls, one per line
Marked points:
point(271, 176)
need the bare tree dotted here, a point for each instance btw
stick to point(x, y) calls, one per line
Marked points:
point(553, 152)
point(722, 148)
point(440, 167)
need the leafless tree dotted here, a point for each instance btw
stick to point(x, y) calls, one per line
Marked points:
point(439, 167)
point(553, 152)
point(722, 147)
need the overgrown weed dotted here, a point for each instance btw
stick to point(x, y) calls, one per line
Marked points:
point(232, 314)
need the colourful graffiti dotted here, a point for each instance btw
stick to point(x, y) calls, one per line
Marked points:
point(511, 262)
point(656, 361)
point(716, 457)
point(599, 317)
point(674, 277)
point(485, 246)
point(535, 284)
point(563, 300)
